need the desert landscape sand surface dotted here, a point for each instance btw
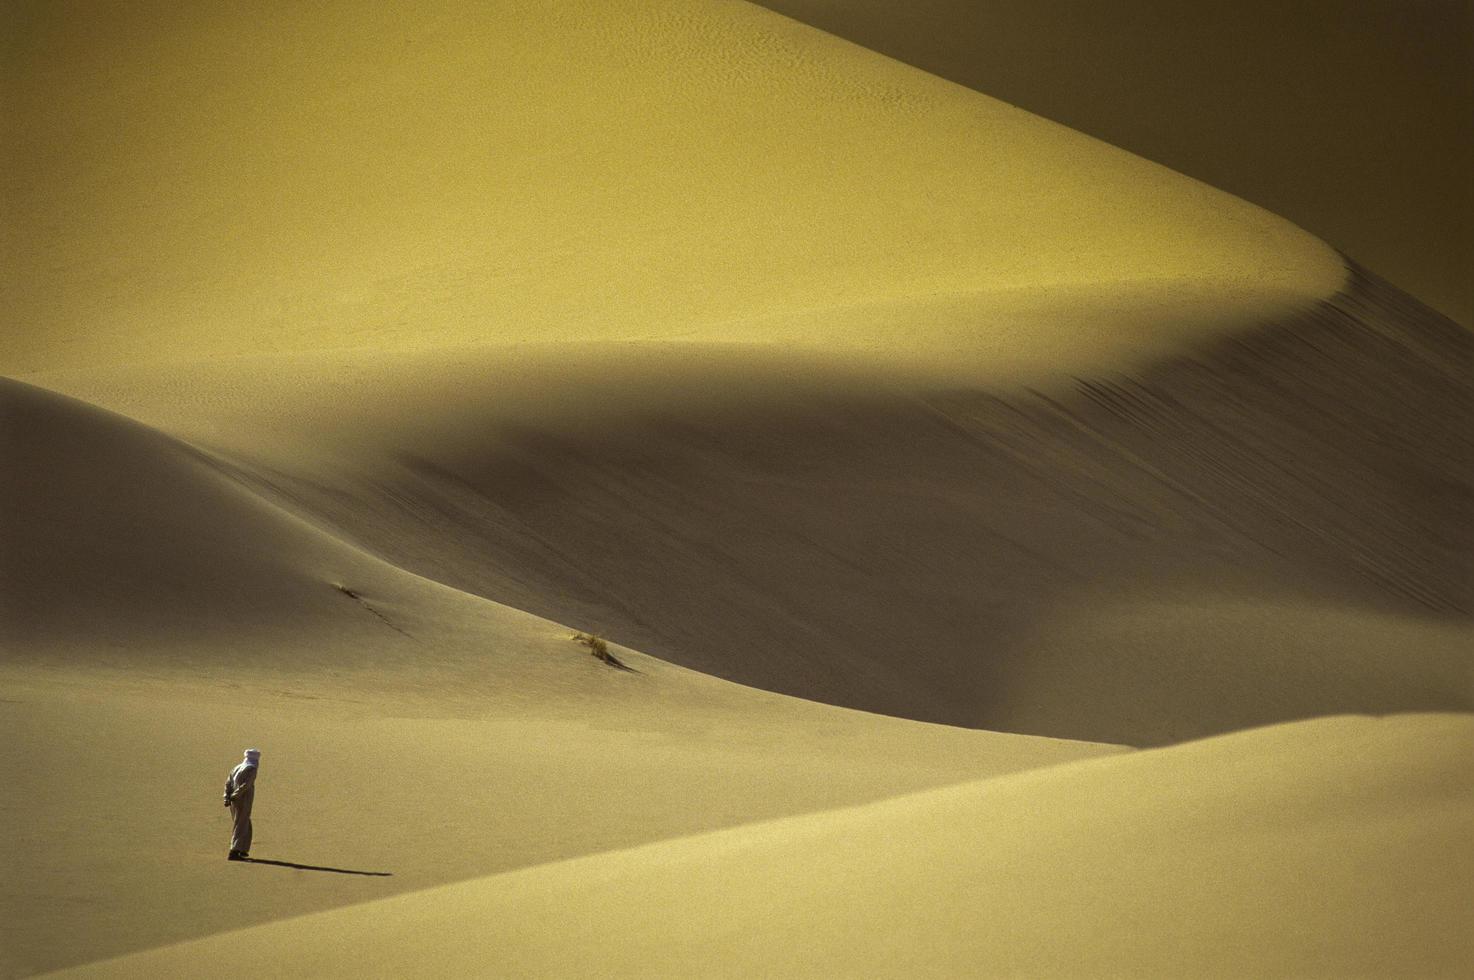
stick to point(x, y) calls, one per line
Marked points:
point(1006, 539)
point(907, 887)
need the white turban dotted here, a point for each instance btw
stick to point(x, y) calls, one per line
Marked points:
point(253, 757)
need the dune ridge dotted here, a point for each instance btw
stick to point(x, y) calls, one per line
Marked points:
point(1383, 98)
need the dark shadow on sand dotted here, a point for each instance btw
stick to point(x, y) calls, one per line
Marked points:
point(314, 867)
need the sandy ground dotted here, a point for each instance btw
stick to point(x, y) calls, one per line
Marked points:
point(1230, 857)
point(363, 359)
point(118, 837)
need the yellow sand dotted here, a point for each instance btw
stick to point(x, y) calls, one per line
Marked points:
point(191, 181)
point(1329, 848)
point(169, 617)
point(849, 536)
point(1276, 102)
point(421, 318)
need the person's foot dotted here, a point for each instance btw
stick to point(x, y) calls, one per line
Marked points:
point(237, 856)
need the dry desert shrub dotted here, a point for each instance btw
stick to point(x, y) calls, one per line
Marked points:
point(600, 650)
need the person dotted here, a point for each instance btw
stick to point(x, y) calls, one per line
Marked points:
point(240, 793)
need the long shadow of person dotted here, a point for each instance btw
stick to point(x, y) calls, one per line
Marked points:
point(315, 867)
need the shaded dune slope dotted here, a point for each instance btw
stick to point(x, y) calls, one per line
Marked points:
point(421, 280)
point(115, 531)
point(1272, 526)
point(1235, 856)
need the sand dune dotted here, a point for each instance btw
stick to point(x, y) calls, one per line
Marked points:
point(116, 533)
point(233, 182)
point(1299, 107)
point(1043, 560)
point(1230, 857)
point(116, 837)
point(158, 612)
point(358, 357)
point(187, 599)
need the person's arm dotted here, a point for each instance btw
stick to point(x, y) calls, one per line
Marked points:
point(228, 778)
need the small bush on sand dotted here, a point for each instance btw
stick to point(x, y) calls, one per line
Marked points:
point(600, 650)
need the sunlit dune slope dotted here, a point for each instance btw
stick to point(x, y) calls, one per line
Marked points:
point(1337, 847)
point(116, 838)
point(189, 180)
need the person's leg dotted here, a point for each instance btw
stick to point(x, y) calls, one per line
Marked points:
point(240, 812)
